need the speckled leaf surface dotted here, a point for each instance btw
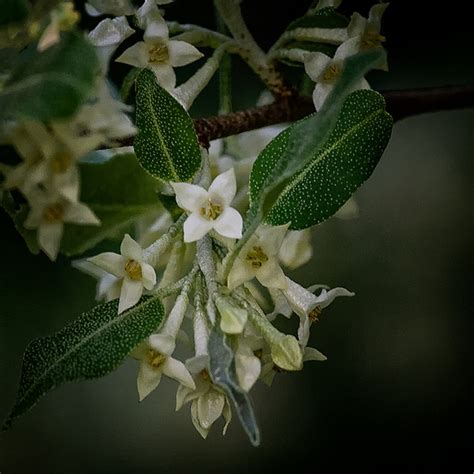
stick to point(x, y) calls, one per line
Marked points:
point(92, 346)
point(335, 170)
point(166, 144)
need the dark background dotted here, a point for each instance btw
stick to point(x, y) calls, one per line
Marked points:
point(394, 394)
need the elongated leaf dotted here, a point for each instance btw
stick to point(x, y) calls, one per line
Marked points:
point(323, 18)
point(166, 145)
point(92, 346)
point(222, 366)
point(335, 170)
point(118, 191)
point(51, 84)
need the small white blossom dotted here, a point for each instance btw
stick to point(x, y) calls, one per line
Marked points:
point(296, 249)
point(160, 54)
point(259, 258)
point(130, 267)
point(49, 213)
point(326, 71)
point(154, 364)
point(308, 306)
point(210, 210)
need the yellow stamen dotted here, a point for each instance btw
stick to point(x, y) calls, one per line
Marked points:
point(314, 314)
point(211, 211)
point(134, 270)
point(256, 257)
point(155, 358)
point(158, 53)
point(372, 40)
point(53, 213)
point(332, 72)
point(60, 162)
point(205, 375)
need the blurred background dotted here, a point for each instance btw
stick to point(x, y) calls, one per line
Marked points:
point(394, 393)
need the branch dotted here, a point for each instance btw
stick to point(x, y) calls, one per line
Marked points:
point(400, 104)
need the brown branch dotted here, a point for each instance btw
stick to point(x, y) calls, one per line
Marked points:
point(400, 103)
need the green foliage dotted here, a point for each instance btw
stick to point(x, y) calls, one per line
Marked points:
point(324, 18)
point(335, 170)
point(166, 145)
point(118, 191)
point(222, 368)
point(92, 346)
point(51, 84)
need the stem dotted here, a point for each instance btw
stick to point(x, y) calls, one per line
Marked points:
point(200, 329)
point(208, 269)
point(153, 252)
point(249, 49)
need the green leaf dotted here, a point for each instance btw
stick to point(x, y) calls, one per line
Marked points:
point(92, 346)
point(166, 144)
point(13, 11)
point(118, 190)
point(222, 370)
point(19, 212)
point(335, 170)
point(324, 18)
point(52, 84)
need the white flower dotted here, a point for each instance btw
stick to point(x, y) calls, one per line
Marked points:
point(49, 213)
point(308, 306)
point(296, 249)
point(153, 365)
point(130, 267)
point(107, 36)
point(208, 402)
point(210, 209)
point(259, 258)
point(325, 71)
point(160, 54)
point(367, 30)
point(247, 363)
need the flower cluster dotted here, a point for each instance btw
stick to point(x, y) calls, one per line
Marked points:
point(245, 302)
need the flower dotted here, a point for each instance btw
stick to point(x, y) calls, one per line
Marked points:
point(49, 213)
point(160, 54)
point(367, 30)
point(325, 71)
point(309, 306)
point(208, 402)
point(129, 266)
point(259, 258)
point(210, 209)
point(296, 249)
point(233, 318)
point(154, 364)
point(247, 362)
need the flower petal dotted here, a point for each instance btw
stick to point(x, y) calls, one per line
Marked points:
point(227, 415)
point(271, 275)
point(176, 370)
point(190, 197)
point(194, 417)
point(130, 294)
point(156, 27)
point(79, 213)
point(49, 238)
point(163, 343)
point(240, 273)
point(310, 353)
point(195, 228)
point(164, 75)
point(296, 249)
point(224, 187)
point(320, 93)
point(248, 369)
point(209, 407)
point(316, 65)
point(326, 298)
point(229, 224)
point(129, 248)
point(136, 55)
point(303, 331)
point(183, 395)
point(148, 379)
point(271, 238)
point(148, 276)
point(348, 48)
point(182, 53)
point(111, 262)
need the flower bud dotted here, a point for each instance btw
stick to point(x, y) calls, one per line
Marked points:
point(233, 318)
